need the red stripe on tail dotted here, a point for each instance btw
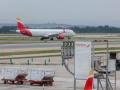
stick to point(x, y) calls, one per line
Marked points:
point(20, 25)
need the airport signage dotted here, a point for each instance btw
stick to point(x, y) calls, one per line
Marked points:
point(82, 59)
point(68, 49)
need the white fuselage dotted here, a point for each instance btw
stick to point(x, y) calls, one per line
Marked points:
point(50, 32)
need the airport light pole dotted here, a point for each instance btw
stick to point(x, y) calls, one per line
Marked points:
point(107, 47)
point(107, 58)
point(68, 53)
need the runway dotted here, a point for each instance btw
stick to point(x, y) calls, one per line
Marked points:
point(30, 45)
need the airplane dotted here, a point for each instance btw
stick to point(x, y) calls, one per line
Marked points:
point(60, 34)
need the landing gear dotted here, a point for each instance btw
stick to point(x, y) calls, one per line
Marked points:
point(42, 39)
point(51, 39)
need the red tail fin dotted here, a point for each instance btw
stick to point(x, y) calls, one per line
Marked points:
point(89, 82)
point(20, 25)
point(22, 28)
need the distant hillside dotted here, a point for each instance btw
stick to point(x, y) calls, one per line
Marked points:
point(10, 28)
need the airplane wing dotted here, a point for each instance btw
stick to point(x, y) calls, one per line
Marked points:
point(53, 34)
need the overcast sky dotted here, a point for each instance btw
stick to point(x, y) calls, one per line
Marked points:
point(76, 12)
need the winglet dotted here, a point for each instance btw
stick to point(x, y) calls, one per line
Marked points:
point(89, 81)
point(18, 18)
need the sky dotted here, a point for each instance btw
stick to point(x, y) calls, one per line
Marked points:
point(75, 12)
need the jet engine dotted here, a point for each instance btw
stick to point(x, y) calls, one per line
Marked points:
point(61, 36)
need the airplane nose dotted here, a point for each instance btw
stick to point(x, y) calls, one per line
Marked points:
point(73, 32)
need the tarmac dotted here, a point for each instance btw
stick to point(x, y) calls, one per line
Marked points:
point(63, 80)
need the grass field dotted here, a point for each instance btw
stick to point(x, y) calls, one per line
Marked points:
point(97, 50)
point(29, 52)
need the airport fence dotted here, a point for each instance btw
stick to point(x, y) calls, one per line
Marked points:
point(32, 61)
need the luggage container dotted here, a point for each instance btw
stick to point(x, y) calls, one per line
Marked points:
point(13, 76)
point(18, 75)
point(41, 77)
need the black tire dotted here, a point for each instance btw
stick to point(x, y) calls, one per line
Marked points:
point(21, 82)
point(51, 39)
point(13, 82)
point(31, 83)
point(5, 81)
point(42, 39)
